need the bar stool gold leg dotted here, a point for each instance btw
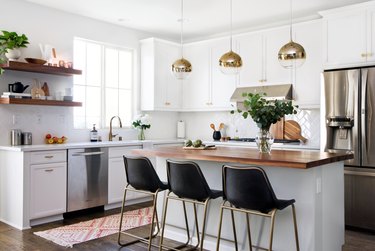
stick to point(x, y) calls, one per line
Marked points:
point(220, 224)
point(155, 197)
point(204, 222)
point(163, 224)
point(122, 215)
point(196, 226)
point(249, 232)
point(295, 226)
point(271, 228)
point(234, 229)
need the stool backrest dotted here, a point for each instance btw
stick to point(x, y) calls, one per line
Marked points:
point(140, 174)
point(186, 180)
point(249, 188)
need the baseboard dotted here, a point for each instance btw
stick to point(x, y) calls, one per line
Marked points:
point(46, 220)
point(128, 202)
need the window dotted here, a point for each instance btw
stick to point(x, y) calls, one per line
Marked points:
point(105, 86)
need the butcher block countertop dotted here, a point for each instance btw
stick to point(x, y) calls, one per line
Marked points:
point(280, 158)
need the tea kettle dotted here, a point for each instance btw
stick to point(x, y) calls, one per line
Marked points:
point(17, 87)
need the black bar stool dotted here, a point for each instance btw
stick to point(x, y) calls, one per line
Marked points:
point(248, 190)
point(142, 178)
point(187, 184)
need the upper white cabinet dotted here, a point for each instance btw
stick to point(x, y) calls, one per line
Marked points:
point(307, 77)
point(160, 90)
point(259, 55)
point(348, 36)
point(207, 88)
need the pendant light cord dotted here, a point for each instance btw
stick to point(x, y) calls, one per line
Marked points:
point(291, 23)
point(231, 25)
point(182, 28)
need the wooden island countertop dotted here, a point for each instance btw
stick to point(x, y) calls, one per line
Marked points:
point(281, 158)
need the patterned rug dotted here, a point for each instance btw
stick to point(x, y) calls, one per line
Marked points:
point(69, 235)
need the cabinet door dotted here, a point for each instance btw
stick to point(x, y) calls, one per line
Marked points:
point(371, 35)
point(116, 180)
point(274, 72)
point(167, 87)
point(307, 79)
point(196, 89)
point(47, 189)
point(251, 50)
point(346, 39)
point(222, 85)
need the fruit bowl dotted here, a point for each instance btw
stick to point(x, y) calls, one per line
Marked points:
point(55, 140)
point(35, 61)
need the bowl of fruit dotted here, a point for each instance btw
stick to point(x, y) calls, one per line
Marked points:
point(55, 140)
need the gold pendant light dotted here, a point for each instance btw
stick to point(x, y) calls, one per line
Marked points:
point(181, 68)
point(292, 54)
point(230, 62)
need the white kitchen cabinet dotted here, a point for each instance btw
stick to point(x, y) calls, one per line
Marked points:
point(306, 82)
point(259, 52)
point(160, 90)
point(207, 89)
point(197, 88)
point(117, 176)
point(348, 36)
point(48, 179)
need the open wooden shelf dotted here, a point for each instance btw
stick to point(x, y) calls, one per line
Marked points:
point(23, 101)
point(27, 67)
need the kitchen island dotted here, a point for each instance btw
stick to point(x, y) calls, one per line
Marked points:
point(314, 179)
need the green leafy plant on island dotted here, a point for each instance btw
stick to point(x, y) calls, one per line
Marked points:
point(265, 112)
point(9, 41)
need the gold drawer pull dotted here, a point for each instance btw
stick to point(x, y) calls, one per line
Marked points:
point(167, 103)
point(363, 55)
point(48, 156)
point(48, 170)
point(370, 54)
point(263, 80)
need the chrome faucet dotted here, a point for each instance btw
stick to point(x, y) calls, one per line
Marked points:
point(111, 136)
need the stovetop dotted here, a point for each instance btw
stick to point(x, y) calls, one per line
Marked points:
point(284, 141)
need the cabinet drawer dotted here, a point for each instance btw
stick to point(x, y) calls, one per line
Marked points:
point(115, 152)
point(48, 157)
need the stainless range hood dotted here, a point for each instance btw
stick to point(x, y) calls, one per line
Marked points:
point(279, 92)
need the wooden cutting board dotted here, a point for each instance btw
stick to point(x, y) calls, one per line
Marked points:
point(277, 129)
point(292, 130)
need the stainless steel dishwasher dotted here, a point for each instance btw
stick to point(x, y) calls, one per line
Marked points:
point(87, 178)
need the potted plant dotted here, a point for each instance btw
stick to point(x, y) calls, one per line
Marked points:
point(10, 42)
point(265, 113)
point(141, 122)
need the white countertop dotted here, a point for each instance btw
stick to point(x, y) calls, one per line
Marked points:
point(47, 147)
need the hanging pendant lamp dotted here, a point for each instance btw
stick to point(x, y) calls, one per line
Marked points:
point(181, 68)
point(292, 54)
point(230, 62)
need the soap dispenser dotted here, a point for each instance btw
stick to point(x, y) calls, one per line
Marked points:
point(93, 134)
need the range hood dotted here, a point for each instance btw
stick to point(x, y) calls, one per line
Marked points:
point(279, 92)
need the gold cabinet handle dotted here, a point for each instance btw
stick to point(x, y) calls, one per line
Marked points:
point(263, 80)
point(167, 103)
point(48, 156)
point(363, 55)
point(48, 170)
point(370, 54)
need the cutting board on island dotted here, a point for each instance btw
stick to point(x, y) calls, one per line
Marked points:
point(292, 130)
point(277, 129)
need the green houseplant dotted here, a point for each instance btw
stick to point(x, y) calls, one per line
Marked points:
point(265, 113)
point(141, 122)
point(10, 42)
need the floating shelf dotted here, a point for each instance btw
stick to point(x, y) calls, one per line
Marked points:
point(23, 101)
point(27, 67)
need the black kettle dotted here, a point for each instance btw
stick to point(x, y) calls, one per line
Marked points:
point(17, 87)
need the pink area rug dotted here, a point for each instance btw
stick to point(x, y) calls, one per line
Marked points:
point(69, 235)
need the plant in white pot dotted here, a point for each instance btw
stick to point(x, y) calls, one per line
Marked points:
point(11, 42)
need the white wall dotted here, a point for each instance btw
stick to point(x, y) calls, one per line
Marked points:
point(197, 125)
point(49, 26)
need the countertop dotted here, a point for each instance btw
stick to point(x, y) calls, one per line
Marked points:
point(50, 147)
point(241, 155)
point(297, 146)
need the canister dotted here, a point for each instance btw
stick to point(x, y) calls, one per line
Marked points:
point(27, 138)
point(15, 137)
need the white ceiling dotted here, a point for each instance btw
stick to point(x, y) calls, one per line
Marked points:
point(205, 18)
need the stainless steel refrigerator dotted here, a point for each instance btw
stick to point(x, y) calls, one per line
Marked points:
point(348, 108)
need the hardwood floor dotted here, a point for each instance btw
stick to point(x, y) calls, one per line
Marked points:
point(13, 240)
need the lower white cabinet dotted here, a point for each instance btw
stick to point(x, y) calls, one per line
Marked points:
point(117, 176)
point(47, 189)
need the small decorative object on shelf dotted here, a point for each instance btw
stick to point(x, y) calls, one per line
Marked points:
point(264, 113)
point(141, 122)
point(10, 42)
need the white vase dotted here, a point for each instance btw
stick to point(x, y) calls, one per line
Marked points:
point(13, 55)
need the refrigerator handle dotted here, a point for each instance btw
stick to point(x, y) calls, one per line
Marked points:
point(363, 114)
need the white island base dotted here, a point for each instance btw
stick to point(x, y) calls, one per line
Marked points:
point(319, 195)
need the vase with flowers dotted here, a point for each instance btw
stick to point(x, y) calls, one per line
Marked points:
point(141, 122)
point(265, 113)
